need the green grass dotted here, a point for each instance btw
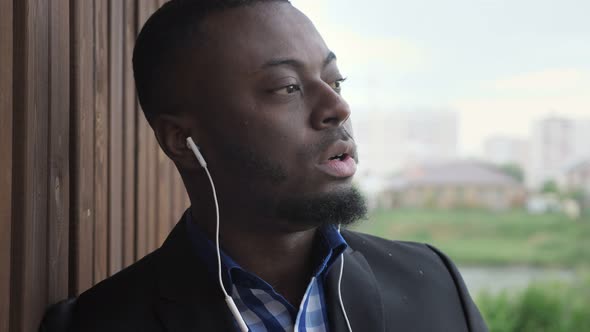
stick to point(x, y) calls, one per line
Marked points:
point(546, 306)
point(476, 237)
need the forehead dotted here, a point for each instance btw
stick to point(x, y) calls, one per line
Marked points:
point(249, 36)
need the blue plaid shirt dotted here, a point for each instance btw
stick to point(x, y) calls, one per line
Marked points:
point(261, 307)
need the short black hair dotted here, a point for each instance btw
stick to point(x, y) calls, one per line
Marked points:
point(171, 28)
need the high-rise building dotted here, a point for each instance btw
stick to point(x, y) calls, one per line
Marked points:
point(556, 144)
point(502, 150)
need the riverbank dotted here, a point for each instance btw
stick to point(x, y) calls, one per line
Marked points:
point(496, 279)
point(483, 238)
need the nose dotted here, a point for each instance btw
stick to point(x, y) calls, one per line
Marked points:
point(329, 109)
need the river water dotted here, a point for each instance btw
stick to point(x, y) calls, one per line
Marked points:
point(495, 279)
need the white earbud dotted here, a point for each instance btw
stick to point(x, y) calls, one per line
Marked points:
point(228, 299)
point(191, 145)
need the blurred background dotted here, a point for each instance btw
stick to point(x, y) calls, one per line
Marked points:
point(473, 125)
point(472, 119)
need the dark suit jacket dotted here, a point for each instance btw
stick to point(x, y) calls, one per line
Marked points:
point(386, 286)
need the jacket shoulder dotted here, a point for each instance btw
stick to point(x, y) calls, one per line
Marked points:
point(122, 302)
point(420, 274)
point(407, 262)
point(380, 248)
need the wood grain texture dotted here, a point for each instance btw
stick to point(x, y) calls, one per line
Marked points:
point(116, 34)
point(59, 158)
point(29, 242)
point(85, 188)
point(82, 115)
point(101, 139)
point(6, 110)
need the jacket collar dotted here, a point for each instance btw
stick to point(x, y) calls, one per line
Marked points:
point(360, 295)
point(188, 301)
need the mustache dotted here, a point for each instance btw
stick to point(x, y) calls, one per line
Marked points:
point(330, 137)
point(348, 135)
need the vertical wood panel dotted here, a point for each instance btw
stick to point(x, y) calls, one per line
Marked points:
point(116, 34)
point(59, 193)
point(85, 178)
point(129, 142)
point(29, 261)
point(82, 114)
point(101, 137)
point(6, 160)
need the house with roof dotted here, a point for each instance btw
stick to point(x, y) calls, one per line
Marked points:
point(456, 184)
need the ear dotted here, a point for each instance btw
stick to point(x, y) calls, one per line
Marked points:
point(171, 132)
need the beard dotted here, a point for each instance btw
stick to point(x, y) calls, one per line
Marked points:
point(342, 207)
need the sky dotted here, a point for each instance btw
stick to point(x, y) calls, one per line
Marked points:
point(499, 64)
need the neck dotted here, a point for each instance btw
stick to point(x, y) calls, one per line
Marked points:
point(281, 258)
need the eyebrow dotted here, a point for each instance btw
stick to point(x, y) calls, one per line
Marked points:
point(296, 63)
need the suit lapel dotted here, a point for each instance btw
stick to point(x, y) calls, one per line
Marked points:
point(360, 295)
point(188, 301)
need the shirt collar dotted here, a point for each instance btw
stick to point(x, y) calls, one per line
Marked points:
point(329, 246)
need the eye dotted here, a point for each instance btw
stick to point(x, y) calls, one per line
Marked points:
point(288, 89)
point(337, 84)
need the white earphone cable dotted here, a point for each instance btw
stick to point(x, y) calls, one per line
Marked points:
point(340, 289)
point(228, 299)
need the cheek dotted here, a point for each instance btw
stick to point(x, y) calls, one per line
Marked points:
point(277, 131)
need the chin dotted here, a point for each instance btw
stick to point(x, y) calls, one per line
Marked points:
point(342, 204)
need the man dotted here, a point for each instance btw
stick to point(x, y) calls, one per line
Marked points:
point(255, 87)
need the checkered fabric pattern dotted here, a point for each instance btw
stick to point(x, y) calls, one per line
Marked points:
point(266, 311)
point(262, 308)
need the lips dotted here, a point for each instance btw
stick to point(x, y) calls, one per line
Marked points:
point(339, 160)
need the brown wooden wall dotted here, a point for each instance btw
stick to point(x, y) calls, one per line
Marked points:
point(84, 188)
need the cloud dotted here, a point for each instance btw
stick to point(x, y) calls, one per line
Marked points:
point(513, 115)
point(365, 52)
point(552, 81)
point(509, 105)
point(374, 53)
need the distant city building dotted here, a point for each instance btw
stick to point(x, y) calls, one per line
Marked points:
point(457, 184)
point(390, 140)
point(503, 150)
point(581, 140)
point(556, 144)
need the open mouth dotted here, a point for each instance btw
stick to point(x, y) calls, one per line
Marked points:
point(339, 166)
point(340, 157)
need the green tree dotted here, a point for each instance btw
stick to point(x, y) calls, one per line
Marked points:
point(514, 171)
point(550, 187)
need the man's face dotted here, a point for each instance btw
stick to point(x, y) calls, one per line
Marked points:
point(270, 119)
